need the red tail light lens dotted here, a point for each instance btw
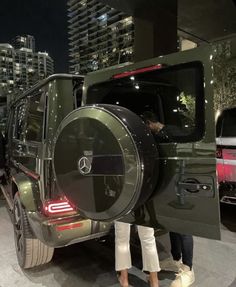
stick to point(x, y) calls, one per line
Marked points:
point(57, 207)
point(219, 153)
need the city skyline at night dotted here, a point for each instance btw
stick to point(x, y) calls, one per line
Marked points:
point(46, 21)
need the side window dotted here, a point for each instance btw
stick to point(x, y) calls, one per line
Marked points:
point(35, 116)
point(19, 117)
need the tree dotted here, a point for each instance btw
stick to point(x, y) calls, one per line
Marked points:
point(189, 103)
point(224, 75)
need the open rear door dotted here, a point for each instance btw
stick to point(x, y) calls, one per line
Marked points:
point(178, 90)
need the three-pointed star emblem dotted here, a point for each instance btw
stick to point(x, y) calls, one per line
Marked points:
point(84, 165)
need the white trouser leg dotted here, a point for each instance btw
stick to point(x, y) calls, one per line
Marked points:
point(149, 249)
point(122, 246)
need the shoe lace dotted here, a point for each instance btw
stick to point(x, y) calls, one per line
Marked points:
point(180, 272)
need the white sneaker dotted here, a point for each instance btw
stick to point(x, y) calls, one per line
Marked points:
point(169, 264)
point(184, 278)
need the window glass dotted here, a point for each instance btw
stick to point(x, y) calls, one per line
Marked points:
point(229, 123)
point(78, 91)
point(20, 113)
point(34, 126)
point(173, 95)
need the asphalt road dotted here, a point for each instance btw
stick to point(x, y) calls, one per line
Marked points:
point(91, 264)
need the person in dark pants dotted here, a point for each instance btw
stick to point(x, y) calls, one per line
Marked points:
point(182, 261)
point(182, 253)
point(181, 245)
point(182, 248)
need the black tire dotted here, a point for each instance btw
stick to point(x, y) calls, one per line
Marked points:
point(30, 251)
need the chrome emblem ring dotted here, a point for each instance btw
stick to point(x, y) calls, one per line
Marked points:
point(84, 165)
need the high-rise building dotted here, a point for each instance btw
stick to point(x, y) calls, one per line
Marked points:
point(26, 41)
point(21, 66)
point(7, 67)
point(43, 64)
point(99, 36)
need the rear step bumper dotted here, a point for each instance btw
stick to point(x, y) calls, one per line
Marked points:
point(228, 199)
point(228, 192)
point(63, 231)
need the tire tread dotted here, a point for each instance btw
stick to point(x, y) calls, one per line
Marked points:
point(36, 252)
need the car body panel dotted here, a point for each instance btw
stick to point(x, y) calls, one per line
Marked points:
point(27, 189)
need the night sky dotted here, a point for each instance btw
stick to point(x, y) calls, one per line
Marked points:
point(46, 20)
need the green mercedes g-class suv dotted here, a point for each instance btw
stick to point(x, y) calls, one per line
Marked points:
point(86, 152)
point(42, 216)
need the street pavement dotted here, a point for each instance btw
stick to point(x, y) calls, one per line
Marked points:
point(91, 264)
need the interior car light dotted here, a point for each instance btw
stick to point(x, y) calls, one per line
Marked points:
point(138, 71)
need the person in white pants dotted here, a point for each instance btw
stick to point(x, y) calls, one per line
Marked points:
point(123, 256)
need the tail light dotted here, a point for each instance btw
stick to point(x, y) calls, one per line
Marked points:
point(58, 207)
point(219, 153)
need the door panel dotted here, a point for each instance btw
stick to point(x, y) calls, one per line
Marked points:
point(186, 198)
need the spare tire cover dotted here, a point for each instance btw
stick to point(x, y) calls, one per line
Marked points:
point(105, 161)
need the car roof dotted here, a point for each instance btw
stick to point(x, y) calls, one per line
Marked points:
point(44, 82)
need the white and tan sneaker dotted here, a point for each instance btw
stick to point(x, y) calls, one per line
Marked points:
point(169, 264)
point(184, 278)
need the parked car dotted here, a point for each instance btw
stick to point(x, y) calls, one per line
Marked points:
point(226, 155)
point(117, 169)
point(42, 216)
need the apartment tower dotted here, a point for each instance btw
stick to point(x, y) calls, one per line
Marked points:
point(21, 66)
point(99, 36)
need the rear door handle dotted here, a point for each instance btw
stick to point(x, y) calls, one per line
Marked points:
point(194, 187)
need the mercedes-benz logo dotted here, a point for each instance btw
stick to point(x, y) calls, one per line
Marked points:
point(84, 165)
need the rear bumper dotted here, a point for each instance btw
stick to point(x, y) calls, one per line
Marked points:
point(63, 231)
point(228, 192)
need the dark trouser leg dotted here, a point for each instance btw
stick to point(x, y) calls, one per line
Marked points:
point(176, 245)
point(187, 249)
